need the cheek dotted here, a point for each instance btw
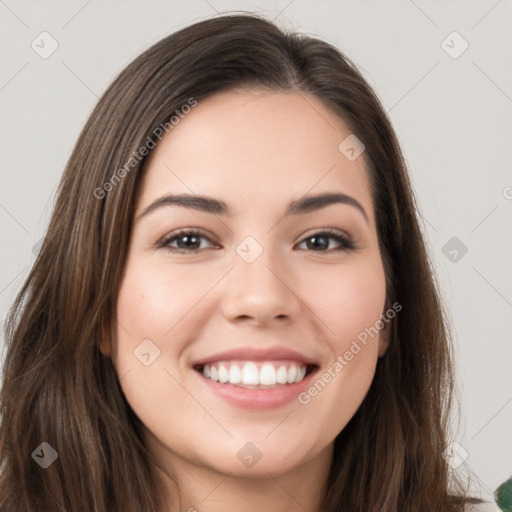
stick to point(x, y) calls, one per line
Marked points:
point(350, 305)
point(146, 311)
point(164, 304)
point(150, 304)
point(154, 298)
point(349, 301)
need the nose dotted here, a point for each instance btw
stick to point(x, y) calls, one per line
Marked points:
point(263, 292)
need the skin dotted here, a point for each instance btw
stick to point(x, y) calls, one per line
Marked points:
point(257, 151)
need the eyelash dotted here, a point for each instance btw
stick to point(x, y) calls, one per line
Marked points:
point(346, 242)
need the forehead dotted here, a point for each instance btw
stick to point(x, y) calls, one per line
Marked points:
point(246, 144)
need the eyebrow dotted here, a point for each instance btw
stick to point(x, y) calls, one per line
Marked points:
point(214, 206)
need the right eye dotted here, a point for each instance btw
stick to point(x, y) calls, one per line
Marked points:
point(187, 240)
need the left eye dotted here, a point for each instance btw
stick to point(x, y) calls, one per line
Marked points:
point(190, 241)
point(321, 239)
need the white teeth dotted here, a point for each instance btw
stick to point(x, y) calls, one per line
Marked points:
point(223, 374)
point(267, 375)
point(292, 373)
point(250, 374)
point(235, 374)
point(282, 375)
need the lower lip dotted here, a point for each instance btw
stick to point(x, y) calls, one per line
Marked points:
point(258, 398)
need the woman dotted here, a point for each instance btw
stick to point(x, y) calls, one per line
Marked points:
point(233, 305)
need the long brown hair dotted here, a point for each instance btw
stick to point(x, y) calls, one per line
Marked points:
point(57, 386)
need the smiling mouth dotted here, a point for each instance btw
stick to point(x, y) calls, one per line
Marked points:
point(256, 374)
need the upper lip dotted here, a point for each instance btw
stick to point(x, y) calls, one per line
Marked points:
point(256, 354)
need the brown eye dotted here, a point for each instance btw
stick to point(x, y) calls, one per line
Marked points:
point(186, 241)
point(320, 241)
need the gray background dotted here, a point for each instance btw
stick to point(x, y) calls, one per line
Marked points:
point(452, 116)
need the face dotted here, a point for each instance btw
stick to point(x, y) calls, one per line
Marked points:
point(263, 298)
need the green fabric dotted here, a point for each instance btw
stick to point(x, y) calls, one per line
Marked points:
point(503, 495)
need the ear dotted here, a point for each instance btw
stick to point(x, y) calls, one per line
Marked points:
point(105, 347)
point(385, 337)
point(105, 344)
